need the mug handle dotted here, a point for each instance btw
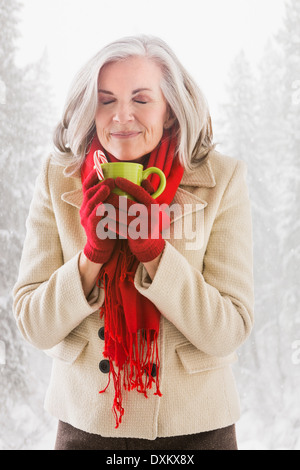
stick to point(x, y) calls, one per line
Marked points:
point(162, 183)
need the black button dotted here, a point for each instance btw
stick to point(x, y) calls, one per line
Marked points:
point(101, 333)
point(104, 366)
point(153, 370)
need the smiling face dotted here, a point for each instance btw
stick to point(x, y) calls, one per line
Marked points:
point(132, 110)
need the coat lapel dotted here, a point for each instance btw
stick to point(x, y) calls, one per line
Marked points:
point(202, 177)
point(74, 198)
point(186, 201)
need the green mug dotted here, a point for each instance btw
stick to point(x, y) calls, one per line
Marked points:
point(133, 172)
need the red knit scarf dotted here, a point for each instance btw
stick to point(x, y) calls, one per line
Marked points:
point(131, 320)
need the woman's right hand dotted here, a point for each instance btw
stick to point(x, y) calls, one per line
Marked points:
point(95, 193)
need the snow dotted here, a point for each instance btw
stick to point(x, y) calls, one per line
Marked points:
point(258, 122)
point(46, 442)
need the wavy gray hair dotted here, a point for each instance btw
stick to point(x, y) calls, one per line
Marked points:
point(188, 105)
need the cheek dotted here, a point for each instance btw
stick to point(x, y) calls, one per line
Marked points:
point(101, 123)
point(154, 121)
point(99, 120)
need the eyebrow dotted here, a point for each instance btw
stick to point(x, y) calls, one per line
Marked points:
point(134, 91)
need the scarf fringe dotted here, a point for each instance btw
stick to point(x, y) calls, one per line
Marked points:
point(135, 373)
point(133, 368)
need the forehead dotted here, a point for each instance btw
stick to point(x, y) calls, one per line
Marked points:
point(134, 71)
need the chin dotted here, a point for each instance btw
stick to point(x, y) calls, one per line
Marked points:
point(126, 158)
point(127, 155)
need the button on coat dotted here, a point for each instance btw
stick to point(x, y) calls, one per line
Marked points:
point(101, 333)
point(104, 366)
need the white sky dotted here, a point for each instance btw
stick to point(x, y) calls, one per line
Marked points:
point(205, 34)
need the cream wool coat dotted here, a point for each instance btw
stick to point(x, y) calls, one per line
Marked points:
point(203, 289)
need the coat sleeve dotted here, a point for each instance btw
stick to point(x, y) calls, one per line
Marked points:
point(213, 309)
point(48, 298)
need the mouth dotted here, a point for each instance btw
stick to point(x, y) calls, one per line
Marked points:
point(125, 135)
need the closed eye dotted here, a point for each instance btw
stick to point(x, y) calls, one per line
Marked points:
point(135, 100)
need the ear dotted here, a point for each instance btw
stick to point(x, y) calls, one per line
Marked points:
point(170, 119)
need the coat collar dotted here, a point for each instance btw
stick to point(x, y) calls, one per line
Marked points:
point(201, 177)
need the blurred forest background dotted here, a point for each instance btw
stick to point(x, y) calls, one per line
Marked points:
point(259, 122)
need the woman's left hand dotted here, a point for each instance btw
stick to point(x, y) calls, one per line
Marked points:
point(147, 243)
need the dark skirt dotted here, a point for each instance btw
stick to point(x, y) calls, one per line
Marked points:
point(70, 438)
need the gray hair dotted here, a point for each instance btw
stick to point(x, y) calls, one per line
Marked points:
point(188, 105)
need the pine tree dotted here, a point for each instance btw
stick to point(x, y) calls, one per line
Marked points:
point(26, 117)
point(289, 41)
point(288, 227)
point(273, 158)
point(236, 127)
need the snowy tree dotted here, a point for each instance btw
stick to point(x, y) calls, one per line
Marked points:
point(236, 130)
point(261, 125)
point(26, 117)
point(289, 41)
point(288, 226)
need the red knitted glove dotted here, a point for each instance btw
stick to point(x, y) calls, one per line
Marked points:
point(95, 193)
point(151, 243)
point(147, 186)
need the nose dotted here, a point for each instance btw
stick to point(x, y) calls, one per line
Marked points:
point(123, 114)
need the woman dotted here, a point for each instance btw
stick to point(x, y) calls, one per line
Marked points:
point(150, 322)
